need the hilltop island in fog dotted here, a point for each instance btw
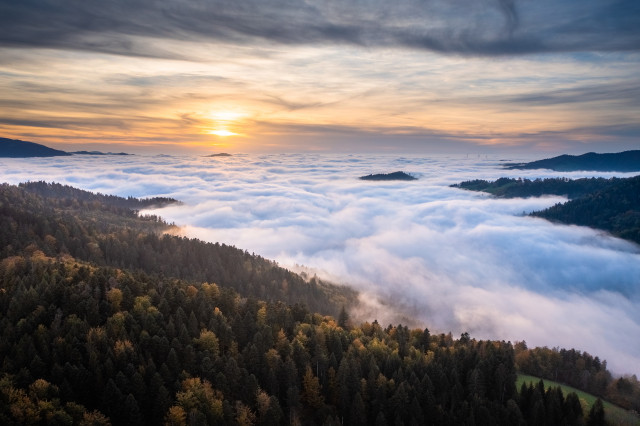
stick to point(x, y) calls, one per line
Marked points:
point(389, 176)
point(627, 161)
point(98, 153)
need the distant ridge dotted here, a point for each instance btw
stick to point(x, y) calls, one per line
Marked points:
point(14, 148)
point(98, 153)
point(627, 161)
point(221, 154)
point(389, 176)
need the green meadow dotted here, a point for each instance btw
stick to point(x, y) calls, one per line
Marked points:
point(614, 415)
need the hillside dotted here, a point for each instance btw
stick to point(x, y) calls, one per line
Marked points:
point(13, 148)
point(615, 209)
point(613, 414)
point(106, 320)
point(612, 204)
point(580, 370)
point(510, 188)
point(69, 193)
point(627, 161)
point(107, 231)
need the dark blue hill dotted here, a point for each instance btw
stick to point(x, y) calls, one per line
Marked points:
point(14, 148)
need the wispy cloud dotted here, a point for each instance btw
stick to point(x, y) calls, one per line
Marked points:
point(489, 27)
point(414, 76)
point(419, 251)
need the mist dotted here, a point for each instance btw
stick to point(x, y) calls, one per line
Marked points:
point(420, 252)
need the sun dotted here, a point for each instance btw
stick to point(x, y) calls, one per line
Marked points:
point(223, 120)
point(222, 132)
point(226, 116)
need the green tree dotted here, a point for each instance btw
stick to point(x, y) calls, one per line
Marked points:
point(311, 391)
point(596, 414)
point(358, 413)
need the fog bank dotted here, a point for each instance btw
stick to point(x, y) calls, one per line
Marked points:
point(420, 252)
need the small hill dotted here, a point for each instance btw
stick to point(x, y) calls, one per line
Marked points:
point(14, 148)
point(98, 153)
point(221, 154)
point(389, 176)
point(627, 161)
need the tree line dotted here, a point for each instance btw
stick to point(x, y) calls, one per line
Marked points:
point(580, 370)
point(609, 204)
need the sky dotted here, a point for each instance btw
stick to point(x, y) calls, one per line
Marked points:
point(420, 253)
point(408, 76)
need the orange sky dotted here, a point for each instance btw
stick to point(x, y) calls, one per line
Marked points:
point(210, 93)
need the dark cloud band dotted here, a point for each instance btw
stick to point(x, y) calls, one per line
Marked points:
point(487, 28)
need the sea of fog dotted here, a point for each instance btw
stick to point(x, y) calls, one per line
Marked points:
point(421, 253)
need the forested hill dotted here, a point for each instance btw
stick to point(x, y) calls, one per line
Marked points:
point(105, 321)
point(510, 188)
point(388, 176)
point(627, 161)
point(69, 193)
point(609, 204)
point(96, 228)
point(615, 209)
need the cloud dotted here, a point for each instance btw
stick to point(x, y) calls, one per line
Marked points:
point(331, 96)
point(617, 93)
point(420, 252)
point(489, 27)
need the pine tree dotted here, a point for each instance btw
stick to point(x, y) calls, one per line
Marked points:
point(311, 391)
point(596, 414)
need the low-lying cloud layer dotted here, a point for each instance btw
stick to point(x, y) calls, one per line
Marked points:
point(447, 259)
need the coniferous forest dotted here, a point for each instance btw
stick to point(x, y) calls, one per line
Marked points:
point(609, 204)
point(108, 319)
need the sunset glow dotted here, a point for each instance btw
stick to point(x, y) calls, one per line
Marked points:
point(222, 133)
point(423, 80)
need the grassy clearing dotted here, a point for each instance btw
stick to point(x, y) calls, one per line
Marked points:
point(614, 415)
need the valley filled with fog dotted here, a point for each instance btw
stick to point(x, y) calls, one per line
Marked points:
point(420, 252)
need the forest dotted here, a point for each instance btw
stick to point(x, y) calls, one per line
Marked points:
point(611, 204)
point(57, 191)
point(511, 188)
point(107, 319)
point(400, 175)
point(627, 161)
